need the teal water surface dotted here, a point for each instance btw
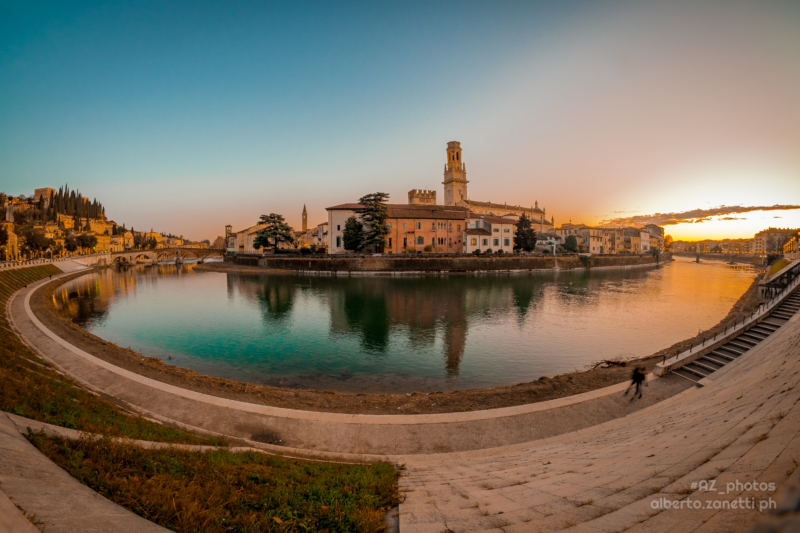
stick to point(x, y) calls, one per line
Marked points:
point(400, 334)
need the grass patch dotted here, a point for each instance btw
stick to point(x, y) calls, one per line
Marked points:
point(220, 491)
point(777, 265)
point(34, 391)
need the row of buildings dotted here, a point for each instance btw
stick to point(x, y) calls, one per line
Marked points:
point(459, 225)
point(768, 241)
point(23, 217)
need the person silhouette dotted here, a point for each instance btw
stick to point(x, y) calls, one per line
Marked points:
point(637, 378)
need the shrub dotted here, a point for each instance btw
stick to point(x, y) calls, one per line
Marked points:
point(428, 248)
point(476, 252)
point(500, 252)
point(488, 251)
point(546, 251)
point(411, 250)
point(305, 250)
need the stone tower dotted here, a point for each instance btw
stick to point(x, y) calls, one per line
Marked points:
point(455, 175)
point(305, 218)
point(420, 197)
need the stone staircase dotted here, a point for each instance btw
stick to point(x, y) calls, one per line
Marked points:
point(709, 363)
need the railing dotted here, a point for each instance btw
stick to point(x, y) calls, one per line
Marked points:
point(8, 265)
point(738, 328)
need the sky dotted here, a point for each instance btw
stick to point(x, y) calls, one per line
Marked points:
point(187, 116)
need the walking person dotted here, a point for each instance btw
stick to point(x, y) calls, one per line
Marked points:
point(637, 378)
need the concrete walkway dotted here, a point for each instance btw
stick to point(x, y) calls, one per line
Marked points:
point(57, 501)
point(743, 425)
point(334, 436)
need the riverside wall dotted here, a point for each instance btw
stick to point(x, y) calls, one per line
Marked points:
point(750, 260)
point(453, 263)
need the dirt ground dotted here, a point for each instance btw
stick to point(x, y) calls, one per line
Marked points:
point(545, 388)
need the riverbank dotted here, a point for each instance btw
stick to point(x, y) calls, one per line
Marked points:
point(401, 264)
point(543, 389)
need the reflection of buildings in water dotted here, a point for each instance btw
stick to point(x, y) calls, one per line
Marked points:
point(274, 296)
point(88, 298)
point(425, 308)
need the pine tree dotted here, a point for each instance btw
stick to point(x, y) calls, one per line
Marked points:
point(374, 215)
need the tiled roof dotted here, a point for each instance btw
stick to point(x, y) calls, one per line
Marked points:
point(447, 212)
point(506, 206)
point(476, 231)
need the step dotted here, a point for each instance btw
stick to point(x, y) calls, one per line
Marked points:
point(697, 369)
point(763, 330)
point(769, 327)
point(736, 344)
point(707, 364)
point(756, 335)
point(694, 371)
point(735, 350)
point(752, 337)
point(782, 314)
point(744, 339)
point(723, 355)
point(717, 359)
point(686, 375)
point(773, 324)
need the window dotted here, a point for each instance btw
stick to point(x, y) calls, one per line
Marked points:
point(474, 242)
point(496, 230)
point(449, 242)
point(338, 242)
point(390, 225)
point(420, 241)
point(486, 242)
point(451, 227)
point(404, 225)
point(497, 242)
point(506, 230)
point(458, 228)
point(433, 241)
point(433, 226)
point(390, 242)
point(506, 242)
point(419, 226)
point(405, 242)
point(338, 228)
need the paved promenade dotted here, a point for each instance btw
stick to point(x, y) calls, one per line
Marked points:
point(742, 425)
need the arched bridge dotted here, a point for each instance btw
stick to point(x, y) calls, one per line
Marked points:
point(179, 255)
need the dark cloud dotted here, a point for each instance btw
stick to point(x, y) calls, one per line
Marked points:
point(696, 215)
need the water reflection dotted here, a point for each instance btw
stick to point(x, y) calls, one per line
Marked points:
point(411, 332)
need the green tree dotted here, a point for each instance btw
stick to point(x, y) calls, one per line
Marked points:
point(353, 235)
point(374, 215)
point(87, 241)
point(71, 244)
point(3, 236)
point(571, 243)
point(655, 252)
point(524, 235)
point(277, 231)
point(36, 242)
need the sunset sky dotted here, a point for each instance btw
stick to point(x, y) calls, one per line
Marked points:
point(186, 116)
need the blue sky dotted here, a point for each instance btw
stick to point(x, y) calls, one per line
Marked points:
point(186, 116)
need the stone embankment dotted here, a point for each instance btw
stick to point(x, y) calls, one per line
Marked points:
point(409, 263)
point(736, 258)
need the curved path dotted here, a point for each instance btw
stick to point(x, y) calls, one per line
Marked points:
point(335, 436)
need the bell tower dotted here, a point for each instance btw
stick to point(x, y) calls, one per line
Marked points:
point(455, 175)
point(305, 218)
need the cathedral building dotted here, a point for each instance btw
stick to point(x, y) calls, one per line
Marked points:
point(455, 194)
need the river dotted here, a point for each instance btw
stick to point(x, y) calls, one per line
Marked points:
point(400, 334)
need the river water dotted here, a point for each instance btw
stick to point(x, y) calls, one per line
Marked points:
point(400, 334)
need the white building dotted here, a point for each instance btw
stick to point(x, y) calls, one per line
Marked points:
point(489, 233)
